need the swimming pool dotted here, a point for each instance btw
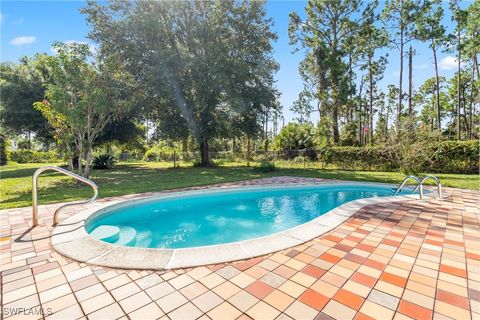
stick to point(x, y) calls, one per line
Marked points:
point(221, 216)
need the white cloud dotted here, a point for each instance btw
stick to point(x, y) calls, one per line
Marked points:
point(18, 21)
point(396, 73)
point(448, 63)
point(23, 40)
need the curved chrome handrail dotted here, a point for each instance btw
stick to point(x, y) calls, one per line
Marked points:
point(405, 181)
point(436, 179)
point(68, 173)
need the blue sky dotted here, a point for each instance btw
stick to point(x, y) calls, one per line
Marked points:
point(29, 27)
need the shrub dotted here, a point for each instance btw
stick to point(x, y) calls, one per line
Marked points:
point(104, 161)
point(367, 157)
point(265, 166)
point(29, 156)
point(294, 137)
point(455, 157)
point(151, 155)
point(4, 152)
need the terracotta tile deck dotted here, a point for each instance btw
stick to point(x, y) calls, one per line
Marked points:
point(405, 260)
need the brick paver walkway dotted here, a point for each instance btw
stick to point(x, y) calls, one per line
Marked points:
point(413, 259)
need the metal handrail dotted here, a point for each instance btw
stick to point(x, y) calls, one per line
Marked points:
point(68, 173)
point(436, 179)
point(419, 185)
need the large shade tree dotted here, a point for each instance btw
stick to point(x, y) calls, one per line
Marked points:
point(200, 63)
point(22, 84)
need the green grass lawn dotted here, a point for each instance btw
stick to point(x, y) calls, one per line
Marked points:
point(127, 178)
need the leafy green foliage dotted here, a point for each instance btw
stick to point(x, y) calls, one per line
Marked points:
point(104, 161)
point(29, 156)
point(201, 65)
point(294, 137)
point(265, 166)
point(4, 152)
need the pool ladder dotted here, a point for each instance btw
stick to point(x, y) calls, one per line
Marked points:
point(65, 172)
point(420, 183)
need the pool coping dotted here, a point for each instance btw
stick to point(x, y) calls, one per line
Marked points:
point(70, 238)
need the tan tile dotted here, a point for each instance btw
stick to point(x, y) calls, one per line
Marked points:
point(125, 291)
point(226, 290)
point(242, 280)
point(292, 289)
point(159, 290)
point(225, 311)
point(60, 303)
point(181, 281)
point(18, 293)
point(207, 301)
point(376, 311)
point(243, 300)
point(303, 279)
point(112, 311)
point(97, 302)
point(150, 311)
point(54, 293)
point(212, 280)
point(187, 311)
point(325, 288)
point(263, 311)
point(171, 301)
point(299, 310)
point(135, 301)
point(279, 300)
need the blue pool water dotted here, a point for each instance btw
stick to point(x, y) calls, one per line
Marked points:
point(190, 220)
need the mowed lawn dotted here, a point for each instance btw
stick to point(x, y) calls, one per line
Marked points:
point(128, 178)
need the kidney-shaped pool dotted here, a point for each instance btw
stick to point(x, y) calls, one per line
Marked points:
point(217, 217)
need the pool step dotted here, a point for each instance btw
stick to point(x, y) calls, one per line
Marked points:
point(106, 233)
point(127, 236)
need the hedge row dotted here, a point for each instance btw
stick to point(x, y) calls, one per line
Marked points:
point(29, 156)
point(447, 157)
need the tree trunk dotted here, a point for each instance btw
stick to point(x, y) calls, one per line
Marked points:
point(437, 89)
point(205, 158)
point(410, 81)
point(400, 86)
point(370, 111)
point(459, 134)
point(249, 151)
point(472, 98)
point(88, 162)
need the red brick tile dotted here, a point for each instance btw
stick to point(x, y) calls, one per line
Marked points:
point(414, 311)
point(393, 279)
point(349, 299)
point(454, 299)
point(364, 279)
point(313, 271)
point(365, 247)
point(374, 264)
point(314, 299)
point(333, 238)
point(452, 270)
point(330, 258)
point(259, 289)
point(473, 256)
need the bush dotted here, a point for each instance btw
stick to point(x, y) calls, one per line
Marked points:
point(294, 137)
point(265, 166)
point(104, 161)
point(366, 158)
point(4, 152)
point(455, 157)
point(29, 156)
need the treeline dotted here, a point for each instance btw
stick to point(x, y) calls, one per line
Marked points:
point(199, 76)
point(347, 44)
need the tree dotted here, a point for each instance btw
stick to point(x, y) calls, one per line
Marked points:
point(21, 85)
point(429, 28)
point(370, 39)
point(326, 35)
point(82, 99)
point(459, 16)
point(401, 15)
point(193, 60)
point(428, 98)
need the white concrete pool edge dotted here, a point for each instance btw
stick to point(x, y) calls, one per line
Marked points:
point(70, 238)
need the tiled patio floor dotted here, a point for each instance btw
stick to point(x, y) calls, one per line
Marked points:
point(412, 259)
